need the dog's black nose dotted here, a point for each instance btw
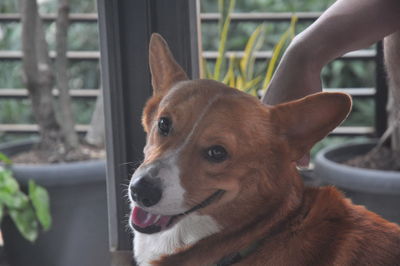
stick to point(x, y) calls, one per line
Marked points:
point(146, 191)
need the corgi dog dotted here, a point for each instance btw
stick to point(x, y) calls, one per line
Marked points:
point(219, 183)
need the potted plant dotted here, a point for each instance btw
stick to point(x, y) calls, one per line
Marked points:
point(27, 211)
point(77, 188)
point(77, 193)
point(378, 188)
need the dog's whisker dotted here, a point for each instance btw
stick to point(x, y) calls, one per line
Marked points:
point(137, 162)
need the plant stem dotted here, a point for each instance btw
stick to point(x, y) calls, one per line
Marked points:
point(61, 64)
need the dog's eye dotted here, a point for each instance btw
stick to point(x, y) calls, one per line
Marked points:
point(216, 154)
point(164, 126)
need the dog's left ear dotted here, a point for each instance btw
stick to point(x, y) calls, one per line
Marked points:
point(165, 71)
point(308, 120)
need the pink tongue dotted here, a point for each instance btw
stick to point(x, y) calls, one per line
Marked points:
point(144, 219)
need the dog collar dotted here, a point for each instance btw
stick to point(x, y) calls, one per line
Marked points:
point(238, 256)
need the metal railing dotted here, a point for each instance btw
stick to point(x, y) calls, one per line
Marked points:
point(72, 55)
point(74, 18)
point(208, 55)
point(355, 55)
point(23, 93)
point(262, 16)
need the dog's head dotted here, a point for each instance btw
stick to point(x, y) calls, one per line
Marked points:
point(211, 148)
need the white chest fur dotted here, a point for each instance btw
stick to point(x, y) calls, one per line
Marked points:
point(189, 230)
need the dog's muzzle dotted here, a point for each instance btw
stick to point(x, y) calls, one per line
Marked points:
point(149, 223)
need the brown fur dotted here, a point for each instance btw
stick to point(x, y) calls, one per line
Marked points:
point(264, 195)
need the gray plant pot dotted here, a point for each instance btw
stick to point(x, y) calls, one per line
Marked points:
point(378, 190)
point(79, 235)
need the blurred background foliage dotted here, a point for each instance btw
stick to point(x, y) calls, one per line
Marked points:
point(85, 74)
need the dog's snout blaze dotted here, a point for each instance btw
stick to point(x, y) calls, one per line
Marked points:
point(146, 191)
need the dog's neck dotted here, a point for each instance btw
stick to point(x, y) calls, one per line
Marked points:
point(263, 209)
point(265, 223)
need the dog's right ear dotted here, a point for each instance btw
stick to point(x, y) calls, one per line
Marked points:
point(305, 121)
point(165, 71)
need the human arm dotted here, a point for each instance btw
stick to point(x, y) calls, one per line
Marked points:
point(346, 26)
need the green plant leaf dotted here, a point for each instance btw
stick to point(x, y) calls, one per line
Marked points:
point(251, 86)
point(10, 194)
point(8, 182)
point(41, 203)
point(223, 38)
point(240, 83)
point(230, 74)
point(17, 200)
point(1, 212)
point(253, 44)
point(278, 50)
point(4, 158)
point(205, 71)
point(25, 222)
point(223, 12)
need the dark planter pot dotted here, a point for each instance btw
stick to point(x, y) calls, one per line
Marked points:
point(378, 190)
point(79, 234)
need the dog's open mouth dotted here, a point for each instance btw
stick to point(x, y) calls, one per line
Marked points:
point(148, 223)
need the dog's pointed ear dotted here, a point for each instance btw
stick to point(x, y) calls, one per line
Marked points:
point(165, 71)
point(306, 121)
